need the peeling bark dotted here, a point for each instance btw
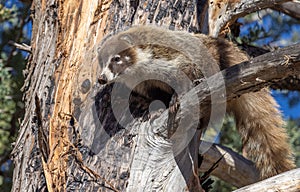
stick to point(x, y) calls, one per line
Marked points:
point(60, 146)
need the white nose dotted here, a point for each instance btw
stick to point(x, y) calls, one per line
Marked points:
point(102, 79)
point(106, 76)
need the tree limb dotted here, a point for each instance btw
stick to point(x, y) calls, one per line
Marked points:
point(289, 83)
point(290, 8)
point(249, 76)
point(233, 168)
point(22, 46)
point(287, 181)
point(223, 13)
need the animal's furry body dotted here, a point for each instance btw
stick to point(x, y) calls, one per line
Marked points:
point(141, 51)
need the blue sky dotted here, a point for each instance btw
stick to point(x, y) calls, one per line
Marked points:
point(288, 112)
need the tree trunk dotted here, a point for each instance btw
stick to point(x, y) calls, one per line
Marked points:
point(69, 139)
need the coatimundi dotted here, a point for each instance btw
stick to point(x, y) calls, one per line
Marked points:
point(147, 49)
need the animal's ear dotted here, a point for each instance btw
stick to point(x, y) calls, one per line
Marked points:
point(127, 38)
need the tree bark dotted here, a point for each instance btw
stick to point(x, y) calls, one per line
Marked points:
point(61, 146)
point(222, 13)
point(287, 181)
point(290, 8)
point(233, 168)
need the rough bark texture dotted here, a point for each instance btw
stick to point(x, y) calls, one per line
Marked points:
point(290, 83)
point(39, 88)
point(60, 146)
point(60, 73)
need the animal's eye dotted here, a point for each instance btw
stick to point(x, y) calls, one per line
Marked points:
point(116, 58)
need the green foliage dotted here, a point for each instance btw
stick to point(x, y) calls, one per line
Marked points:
point(6, 14)
point(294, 133)
point(6, 106)
point(230, 138)
point(221, 186)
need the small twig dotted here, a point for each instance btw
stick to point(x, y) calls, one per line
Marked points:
point(89, 171)
point(22, 46)
point(206, 174)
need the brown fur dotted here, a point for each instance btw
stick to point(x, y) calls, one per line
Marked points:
point(258, 119)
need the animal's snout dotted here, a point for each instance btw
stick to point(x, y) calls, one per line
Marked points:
point(102, 79)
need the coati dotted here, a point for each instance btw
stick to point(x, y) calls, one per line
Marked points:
point(144, 50)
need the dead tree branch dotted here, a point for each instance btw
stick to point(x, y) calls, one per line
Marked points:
point(287, 181)
point(250, 76)
point(289, 83)
point(233, 168)
point(223, 13)
point(22, 46)
point(290, 8)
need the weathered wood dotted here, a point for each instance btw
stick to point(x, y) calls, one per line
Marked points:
point(290, 83)
point(175, 15)
point(224, 13)
point(290, 8)
point(27, 154)
point(233, 168)
point(288, 181)
point(54, 150)
point(249, 76)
